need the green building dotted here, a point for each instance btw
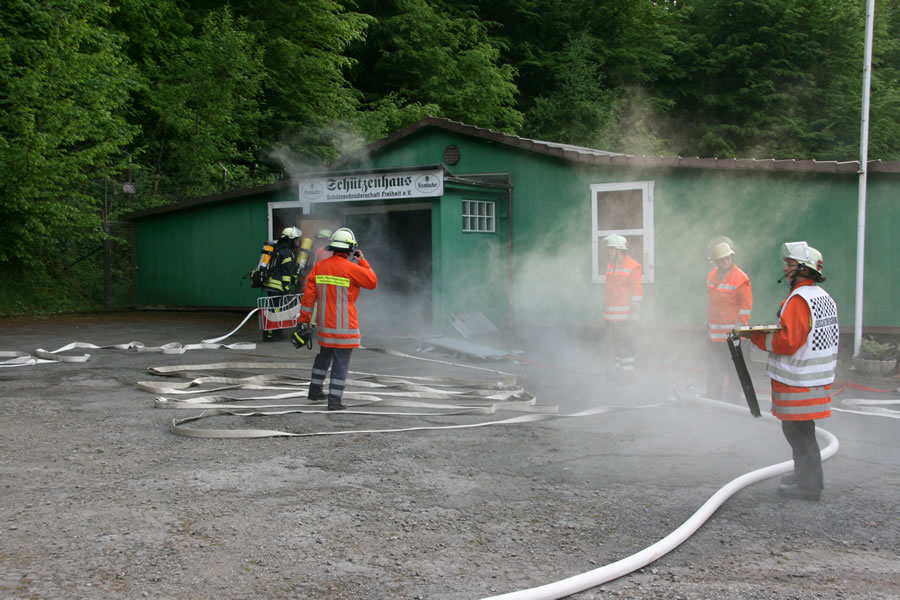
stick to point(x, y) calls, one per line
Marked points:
point(460, 219)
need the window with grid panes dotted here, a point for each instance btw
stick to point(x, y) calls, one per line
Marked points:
point(478, 215)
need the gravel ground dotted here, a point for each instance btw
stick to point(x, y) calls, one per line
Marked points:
point(100, 499)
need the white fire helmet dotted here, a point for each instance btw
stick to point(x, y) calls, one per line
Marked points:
point(324, 234)
point(342, 239)
point(720, 251)
point(291, 232)
point(616, 241)
point(804, 254)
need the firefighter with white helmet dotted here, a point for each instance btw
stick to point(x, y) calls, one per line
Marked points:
point(335, 283)
point(622, 306)
point(801, 365)
point(729, 304)
point(281, 278)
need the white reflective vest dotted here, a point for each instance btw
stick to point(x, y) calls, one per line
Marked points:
point(814, 363)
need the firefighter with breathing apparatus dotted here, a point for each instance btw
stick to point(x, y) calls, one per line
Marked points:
point(281, 276)
point(801, 365)
point(334, 283)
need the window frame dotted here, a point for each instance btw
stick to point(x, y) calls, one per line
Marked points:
point(492, 217)
point(281, 204)
point(598, 267)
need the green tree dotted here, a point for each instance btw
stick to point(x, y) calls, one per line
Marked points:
point(64, 95)
point(600, 80)
point(206, 110)
point(428, 53)
point(884, 129)
point(757, 76)
point(307, 102)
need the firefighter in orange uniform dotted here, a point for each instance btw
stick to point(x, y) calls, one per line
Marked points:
point(802, 361)
point(335, 283)
point(624, 293)
point(729, 306)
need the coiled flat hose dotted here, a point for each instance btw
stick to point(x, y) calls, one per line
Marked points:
point(620, 568)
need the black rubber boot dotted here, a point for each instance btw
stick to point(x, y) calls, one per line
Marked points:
point(798, 493)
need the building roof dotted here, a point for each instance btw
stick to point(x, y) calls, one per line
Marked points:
point(602, 157)
point(569, 152)
point(211, 199)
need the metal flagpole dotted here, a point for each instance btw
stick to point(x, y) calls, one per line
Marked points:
point(863, 169)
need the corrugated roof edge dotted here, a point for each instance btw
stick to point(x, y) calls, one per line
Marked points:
point(563, 151)
point(214, 198)
point(594, 156)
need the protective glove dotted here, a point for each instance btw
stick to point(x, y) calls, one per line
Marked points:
point(302, 336)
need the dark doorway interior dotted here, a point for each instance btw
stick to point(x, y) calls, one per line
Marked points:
point(398, 246)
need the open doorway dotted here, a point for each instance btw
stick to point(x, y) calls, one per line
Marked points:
point(397, 243)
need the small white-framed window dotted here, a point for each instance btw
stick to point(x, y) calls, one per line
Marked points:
point(478, 215)
point(624, 208)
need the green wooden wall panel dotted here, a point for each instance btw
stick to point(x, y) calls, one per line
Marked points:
point(473, 265)
point(198, 256)
point(551, 240)
point(758, 210)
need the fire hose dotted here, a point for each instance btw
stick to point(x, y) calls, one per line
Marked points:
point(620, 568)
point(558, 589)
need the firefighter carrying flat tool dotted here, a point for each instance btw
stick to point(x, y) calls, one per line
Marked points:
point(802, 362)
point(335, 283)
point(624, 293)
point(282, 276)
point(729, 306)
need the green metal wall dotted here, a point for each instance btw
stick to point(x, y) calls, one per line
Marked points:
point(198, 256)
point(759, 210)
point(470, 269)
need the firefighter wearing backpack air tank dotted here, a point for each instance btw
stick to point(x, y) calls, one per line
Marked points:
point(282, 275)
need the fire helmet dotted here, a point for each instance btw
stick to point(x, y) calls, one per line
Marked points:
point(291, 232)
point(324, 234)
point(804, 254)
point(720, 251)
point(616, 241)
point(342, 239)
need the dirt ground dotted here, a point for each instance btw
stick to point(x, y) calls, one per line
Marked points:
point(99, 498)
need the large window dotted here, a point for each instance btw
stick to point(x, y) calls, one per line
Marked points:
point(477, 215)
point(625, 209)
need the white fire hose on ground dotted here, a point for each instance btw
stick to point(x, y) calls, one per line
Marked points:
point(620, 568)
point(551, 591)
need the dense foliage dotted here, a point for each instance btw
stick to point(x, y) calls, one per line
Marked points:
point(136, 103)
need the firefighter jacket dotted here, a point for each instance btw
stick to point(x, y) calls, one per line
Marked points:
point(318, 253)
point(624, 291)
point(335, 283)
point(730, 302)
point(284, 272)
point(803, 355)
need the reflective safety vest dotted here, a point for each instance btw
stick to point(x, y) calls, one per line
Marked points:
point(623, 287)
point(335, 283)
point(730, 302)
point(801, 382)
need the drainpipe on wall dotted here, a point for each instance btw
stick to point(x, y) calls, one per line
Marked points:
point(509, 257)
